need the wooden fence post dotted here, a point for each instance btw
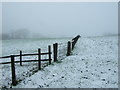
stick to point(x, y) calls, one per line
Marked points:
point(49, 50)
point(69, 48)
point(74, 40)
point(13, 70)
point(73, 43)
point(20, 58)
point(39, 59)
point(55, 50)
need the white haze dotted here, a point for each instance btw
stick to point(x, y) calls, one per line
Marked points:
point(61, 19)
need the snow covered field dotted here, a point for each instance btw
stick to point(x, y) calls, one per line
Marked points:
point(28, 46)
point(93, 64)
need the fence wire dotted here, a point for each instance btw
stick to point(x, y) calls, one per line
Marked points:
point(62, 50)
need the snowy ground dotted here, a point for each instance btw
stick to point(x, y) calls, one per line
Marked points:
point(27, 46)
point(93, 64)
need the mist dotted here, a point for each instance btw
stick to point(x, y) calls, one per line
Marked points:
point(55, 19)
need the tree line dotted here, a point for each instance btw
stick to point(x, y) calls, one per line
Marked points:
point(21, 34)
point(16, 34)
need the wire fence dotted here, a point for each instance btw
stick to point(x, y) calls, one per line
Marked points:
point(62, 51)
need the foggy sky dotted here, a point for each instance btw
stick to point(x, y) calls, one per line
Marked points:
point(61, 19)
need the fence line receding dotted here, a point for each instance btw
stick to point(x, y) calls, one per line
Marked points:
point(60, 51)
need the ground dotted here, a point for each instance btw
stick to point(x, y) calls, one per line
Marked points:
point(93, 64)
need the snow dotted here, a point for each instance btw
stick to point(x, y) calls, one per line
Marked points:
point(27, 69)
point(93, 64)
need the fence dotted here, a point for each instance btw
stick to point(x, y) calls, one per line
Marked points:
point(56, 55)
point(14, 81)
point(66, 50)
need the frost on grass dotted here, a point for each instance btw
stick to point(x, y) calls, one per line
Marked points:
point(94, 64)
point(11, 47)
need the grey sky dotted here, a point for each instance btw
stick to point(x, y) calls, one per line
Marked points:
point(61, 19)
